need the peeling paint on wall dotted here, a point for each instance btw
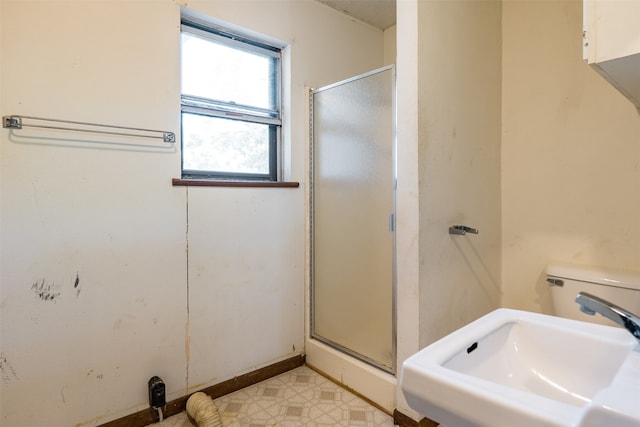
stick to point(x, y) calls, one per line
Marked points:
point(76, 284)
point(7, 373)
point(46, 291)
point(50, 290)
point(93, 374)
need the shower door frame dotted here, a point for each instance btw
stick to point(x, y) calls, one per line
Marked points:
point(392, 223)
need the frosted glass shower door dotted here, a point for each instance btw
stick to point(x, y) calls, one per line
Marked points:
point(353, 180)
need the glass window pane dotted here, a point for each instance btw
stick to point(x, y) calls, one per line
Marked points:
point(215, 71)
point(213, 144)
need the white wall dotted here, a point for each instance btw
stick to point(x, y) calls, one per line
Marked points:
point(101, 228)
point(459, 122)
point(448, 95)
point(408, 249)
point(103, 215)
point(570, 158)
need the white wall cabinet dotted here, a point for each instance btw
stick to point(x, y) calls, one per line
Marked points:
point(611, 43)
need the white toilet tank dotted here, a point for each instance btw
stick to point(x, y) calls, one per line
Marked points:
point(617, 286)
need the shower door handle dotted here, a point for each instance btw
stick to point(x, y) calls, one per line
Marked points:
point(392, 222)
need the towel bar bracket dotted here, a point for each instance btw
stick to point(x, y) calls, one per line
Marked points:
point(169, 137)
point(12, 122)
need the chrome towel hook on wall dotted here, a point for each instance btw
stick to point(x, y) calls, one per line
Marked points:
point(16, 122)
point(462, 230)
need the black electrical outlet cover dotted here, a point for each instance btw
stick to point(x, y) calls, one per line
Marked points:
point(157, 397)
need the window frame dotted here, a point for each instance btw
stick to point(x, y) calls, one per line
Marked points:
point(272, 117)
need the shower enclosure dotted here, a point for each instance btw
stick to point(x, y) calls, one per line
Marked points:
point(353, 217)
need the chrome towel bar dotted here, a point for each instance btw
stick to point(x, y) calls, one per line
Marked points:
point(16, 122)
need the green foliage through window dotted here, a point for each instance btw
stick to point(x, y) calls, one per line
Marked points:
point(230, 101)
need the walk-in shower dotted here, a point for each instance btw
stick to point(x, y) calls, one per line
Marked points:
point(353, 217)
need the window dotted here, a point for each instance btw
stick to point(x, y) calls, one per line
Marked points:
point(230, 105)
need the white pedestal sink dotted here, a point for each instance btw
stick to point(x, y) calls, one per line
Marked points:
point(515, 368)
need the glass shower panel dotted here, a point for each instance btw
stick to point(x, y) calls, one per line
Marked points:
point(352, 216)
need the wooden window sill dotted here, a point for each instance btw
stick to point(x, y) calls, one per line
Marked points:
point(177, 182)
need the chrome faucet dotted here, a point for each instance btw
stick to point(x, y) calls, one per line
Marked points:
point(590, 304)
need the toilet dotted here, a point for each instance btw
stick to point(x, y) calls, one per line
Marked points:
point(617, 286)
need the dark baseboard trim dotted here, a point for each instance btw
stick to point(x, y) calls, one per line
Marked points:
point(405, 421)
point(150, 416)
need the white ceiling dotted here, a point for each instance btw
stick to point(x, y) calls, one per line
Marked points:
point(379, 13)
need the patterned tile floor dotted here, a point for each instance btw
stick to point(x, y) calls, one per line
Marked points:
point(298, 398)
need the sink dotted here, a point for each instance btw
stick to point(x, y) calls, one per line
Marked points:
point(514, 367)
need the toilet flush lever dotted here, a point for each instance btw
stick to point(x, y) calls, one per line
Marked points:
point(462, 230)
point(555, 282)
